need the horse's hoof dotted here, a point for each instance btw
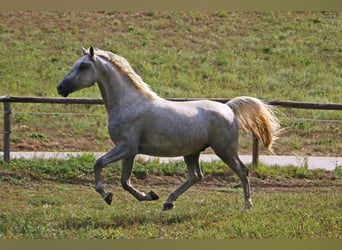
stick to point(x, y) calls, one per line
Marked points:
point(108, 198)
point(167, 206)
point(247, 206)
point(154, 196)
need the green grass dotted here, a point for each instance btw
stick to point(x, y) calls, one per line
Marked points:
point(80, 168)
point(215, 215)
point(43, 200)
point(49, 199)
point(269, 55)
point(182, 54)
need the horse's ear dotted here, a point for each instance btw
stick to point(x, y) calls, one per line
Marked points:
point(84, 51)
point(91, 50)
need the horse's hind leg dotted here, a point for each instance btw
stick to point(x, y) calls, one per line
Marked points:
point(194, 175)
point(234, 162)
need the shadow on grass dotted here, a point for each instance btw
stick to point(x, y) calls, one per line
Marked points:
point(123, 221)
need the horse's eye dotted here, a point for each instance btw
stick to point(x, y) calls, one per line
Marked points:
point(83, 65)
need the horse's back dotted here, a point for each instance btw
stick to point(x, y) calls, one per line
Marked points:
point(197, 113)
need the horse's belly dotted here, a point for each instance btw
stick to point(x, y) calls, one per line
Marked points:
point(160, 152)
point(172, 148)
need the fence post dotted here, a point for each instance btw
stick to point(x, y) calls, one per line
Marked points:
point(7, 130)
point(255, 153)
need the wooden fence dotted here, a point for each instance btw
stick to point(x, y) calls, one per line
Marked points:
point(7, 100)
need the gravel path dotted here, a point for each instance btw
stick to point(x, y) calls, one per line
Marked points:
point(328, 163)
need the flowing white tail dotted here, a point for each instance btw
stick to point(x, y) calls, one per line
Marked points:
point(256, 116)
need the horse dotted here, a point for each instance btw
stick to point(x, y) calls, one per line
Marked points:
point(141, 122)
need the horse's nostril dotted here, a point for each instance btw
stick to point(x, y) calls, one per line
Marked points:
point(59, 89)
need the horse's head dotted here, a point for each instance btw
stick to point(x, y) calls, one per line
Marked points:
point(83, 74)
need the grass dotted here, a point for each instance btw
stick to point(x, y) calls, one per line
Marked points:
point(80, 168)
point(215, 216)
point(51, 199)
point(182, 54)
point(269, 55)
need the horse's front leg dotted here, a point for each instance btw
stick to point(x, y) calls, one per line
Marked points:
point(127, 166)
point(115, 154)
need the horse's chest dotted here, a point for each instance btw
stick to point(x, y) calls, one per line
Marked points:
point(122, 129)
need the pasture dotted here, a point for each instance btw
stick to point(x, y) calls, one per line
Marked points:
point(56, 199)
point(268, 55)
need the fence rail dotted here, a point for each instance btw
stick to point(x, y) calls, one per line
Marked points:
point(57, 100)
point(7, 100)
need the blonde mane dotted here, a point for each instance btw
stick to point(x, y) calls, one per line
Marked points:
point(123, 65)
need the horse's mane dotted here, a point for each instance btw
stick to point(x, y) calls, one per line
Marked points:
point(123, 65)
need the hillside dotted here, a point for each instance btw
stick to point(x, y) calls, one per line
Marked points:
point(269, 55)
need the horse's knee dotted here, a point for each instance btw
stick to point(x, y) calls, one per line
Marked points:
point(98, 165)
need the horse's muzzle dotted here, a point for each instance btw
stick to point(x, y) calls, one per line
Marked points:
point(62, 91)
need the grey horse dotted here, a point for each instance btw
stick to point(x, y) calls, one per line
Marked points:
point(141, 122)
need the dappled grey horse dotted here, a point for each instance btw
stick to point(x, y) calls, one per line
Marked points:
point(141, 122)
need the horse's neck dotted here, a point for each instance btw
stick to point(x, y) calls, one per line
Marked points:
point(116, 92)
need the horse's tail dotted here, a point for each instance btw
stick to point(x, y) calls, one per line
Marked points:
point(256, 116)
